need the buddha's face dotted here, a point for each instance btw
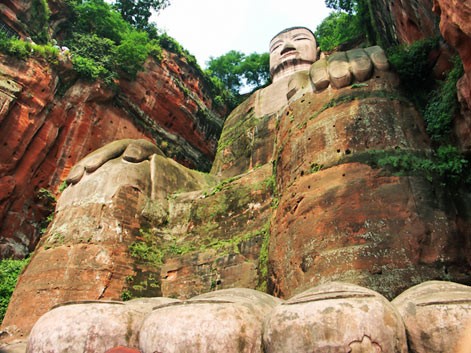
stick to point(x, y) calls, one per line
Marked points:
point(292, 50)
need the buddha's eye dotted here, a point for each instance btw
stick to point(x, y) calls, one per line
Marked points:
point(276, 45)
point(301, 38)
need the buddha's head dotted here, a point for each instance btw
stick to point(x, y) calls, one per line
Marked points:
point(291, 50)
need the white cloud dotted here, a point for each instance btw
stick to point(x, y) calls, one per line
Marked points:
point(214, 27)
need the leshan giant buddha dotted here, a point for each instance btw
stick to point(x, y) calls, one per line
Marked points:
point(294, 199)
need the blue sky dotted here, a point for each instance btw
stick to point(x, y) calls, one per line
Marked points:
point(213, 27)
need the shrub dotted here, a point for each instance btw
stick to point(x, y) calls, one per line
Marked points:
point(443, 104)
point(89, 68)
point(9, 272)
point(131, 54)
point(446, 165)
point(98, 17)
point(412, 64)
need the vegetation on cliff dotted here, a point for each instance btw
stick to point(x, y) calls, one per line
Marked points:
point(107, 41)
point(10, 269)
point(339, 27)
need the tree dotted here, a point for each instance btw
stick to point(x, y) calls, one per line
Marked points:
point(339, 27)
point(256, 69)
point(227, 69)
point(138, 12)
point(235, 69)
point(97, 17)
point(131, 54)
point(348, 6)
point(362, 10)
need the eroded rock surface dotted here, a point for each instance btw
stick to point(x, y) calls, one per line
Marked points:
point(48, 121)
point(342, 218)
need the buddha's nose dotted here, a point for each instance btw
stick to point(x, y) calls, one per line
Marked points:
point(287, 47)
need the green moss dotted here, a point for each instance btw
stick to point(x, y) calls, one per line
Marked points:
point(263, 258)
point(446, 165)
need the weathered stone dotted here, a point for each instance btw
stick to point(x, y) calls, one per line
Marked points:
point(224, 321)
point(341, 217)
point(335, 317)
point(121, 349)
point(49, 120)
point(435, 315)
point(90, 327)
point(95, 222)
point(456, 29)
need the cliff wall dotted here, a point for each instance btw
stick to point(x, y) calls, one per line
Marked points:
point(405, 21)
point(49, 120)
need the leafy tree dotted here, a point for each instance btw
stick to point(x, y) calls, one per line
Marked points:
point(339, 27)
point(131, 54)
point(348, 6)
point(93, 56)
point(235, 69)
point(362, 10)
point(138, 12)
point(255, 68)
point(97, 17)
point(227, 69)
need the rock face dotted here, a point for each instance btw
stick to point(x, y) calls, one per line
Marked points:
point(341, 218)
point(403, 22)
point(47, 125)
point(456, 29)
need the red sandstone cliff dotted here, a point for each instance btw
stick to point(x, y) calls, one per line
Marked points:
point(455, 27)
point(405, 21)
point(48, 121)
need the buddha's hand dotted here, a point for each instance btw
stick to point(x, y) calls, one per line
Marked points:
point(130, 150)
point(342, 68)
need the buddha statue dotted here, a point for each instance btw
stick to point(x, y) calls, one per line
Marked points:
point(330, 214)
